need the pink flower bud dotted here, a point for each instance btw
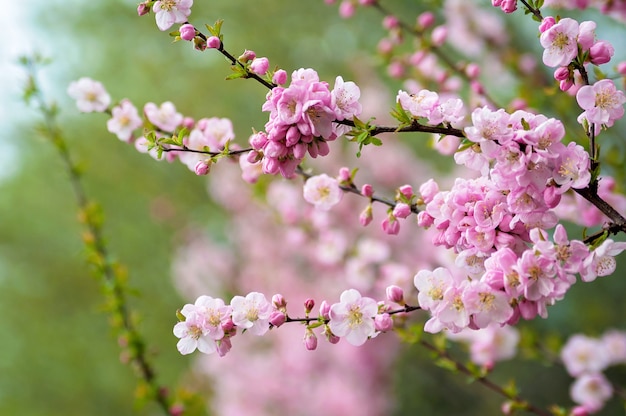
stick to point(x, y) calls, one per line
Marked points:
point(258, 140)
point(344, 175)
point(346, 9)
point(325, 310)
point(390, 225)
point(383, 322)
point(439, 35)
point(228, 325)
point(367, 2)
point(223, 346)
point(566, 84)
point(425, 20)
point(277, 318)
point(203, 167)
point(562, 73)
point(143, 9)
point(424, 219)
point(279, 301)
point(188, 123)
point(332, 338)
point(395, 69)
point(601, 52)
point(477, 87)
point(395, 294)
point(551, 196)
point(246, 56)
point(260, 66)
point(309, 304)
point(390, 22)
point(406, 190)
point(176, 410)
point(621, 68)
point(280, 77)
point(402, 210)
point(472, 70)
point(187, 32)
point(580, 411)
point(213, 42)
point(546, 24)
point(428, 190)
point(366, 216)
point(367, 190)
point(385, 46)
point(310, 340)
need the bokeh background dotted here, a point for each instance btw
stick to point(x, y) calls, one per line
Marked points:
point(57, 352)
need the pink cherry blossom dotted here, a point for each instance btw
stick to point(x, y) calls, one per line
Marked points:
point(591, 391)
point(603, 104)
point(164, 117)
point(252, 312)
point(601, 261)
point(168, 12)
point(582, 354)
point(124, 121)
point(353, 317)
point(322, 191)
point(90, 95)
point(560, 43)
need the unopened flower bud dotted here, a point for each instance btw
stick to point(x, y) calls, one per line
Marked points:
point(562, 73)
point(383, 322)
point(367, 190)
point(260, 66)
point(310, 340)
point(425, 20)
point(176, 410)
point(424, 219)
point(279, 301)
point(366, 216)
point(601, 52)
point(390, 22)
point(395, 294)
point(223, 346)
point(439, 35)
point(621, 68)
point(203, 167)
point(246, 56)
point(546, 24)
point(277, 318)
point(309, 304)
point(213, 42)
point(187, 32)
point(391, 225)
point(143, 9)
point(280, 77)
point(332, 338)
point(344, 175)
point(406, 190)
point(401, 210)
point(325, 310)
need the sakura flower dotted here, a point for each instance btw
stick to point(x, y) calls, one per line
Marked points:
point(322, 191)
point(90, 95)
point(345, 99)
point(602, 102)
point(168, 12)
point(202, 325)
point(252, 312)
point(560, 43)
point(582, 354)
point(353, 317)
point(164, 117)
point(572, 168)
point(601, 261)
point(125, 120)
point(591, 391)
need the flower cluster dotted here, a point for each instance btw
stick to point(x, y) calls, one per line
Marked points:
point(428, 105)
point(301, 121)
point(585, 358)
point(208, 324)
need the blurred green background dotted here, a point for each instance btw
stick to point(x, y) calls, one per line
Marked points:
point(57, 354)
